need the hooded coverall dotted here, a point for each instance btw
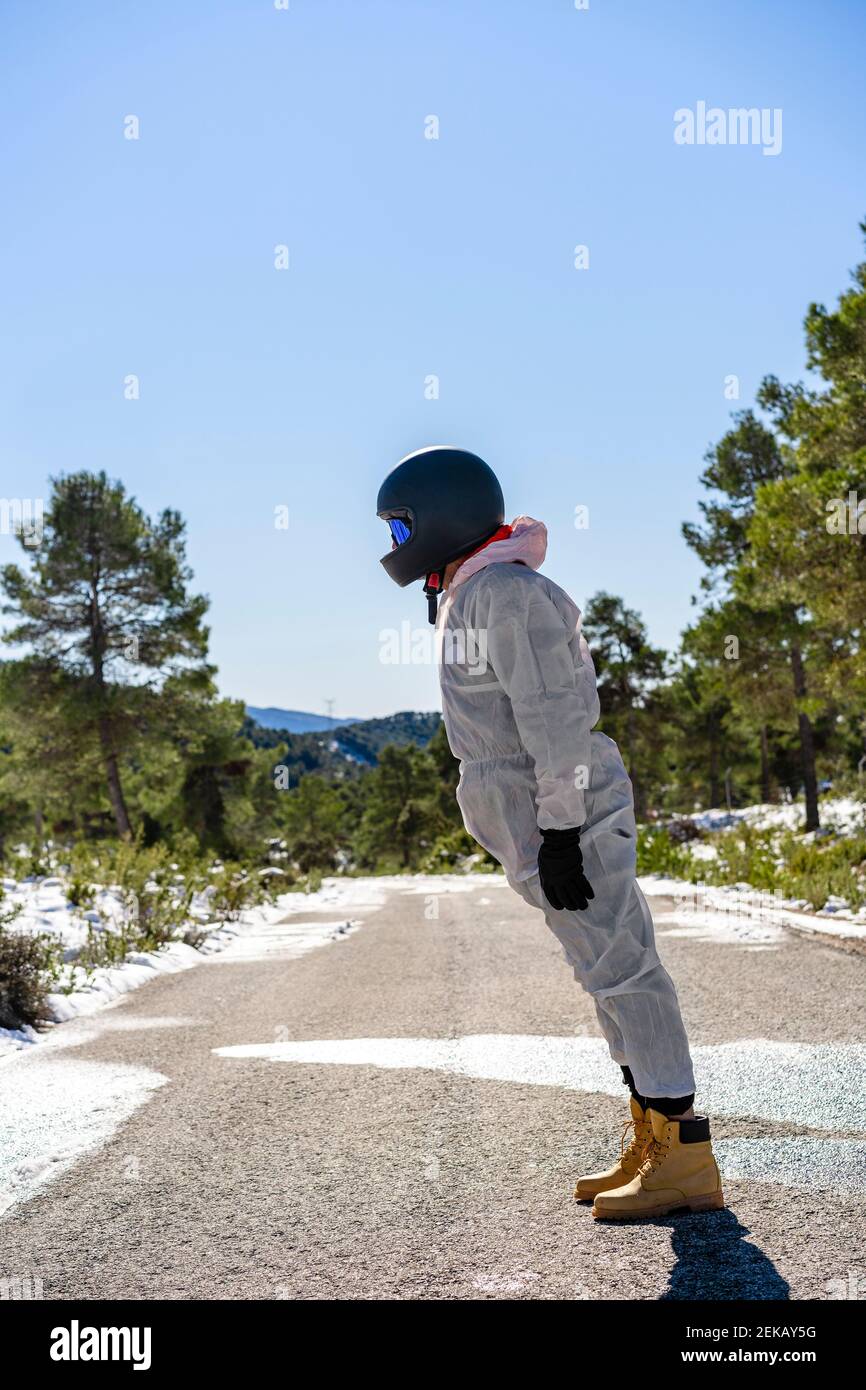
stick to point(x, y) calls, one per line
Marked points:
point(519, 701)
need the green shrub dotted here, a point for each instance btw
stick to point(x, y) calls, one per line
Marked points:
point(80, 867)
point(450, 851)
point(744, 855)
point(80, 892)
point(819, 869)
point(797, 866)
point(155, 896)
point(659, 853)
point(314, 881)
point(234, 889)
point(104, 947)
point(29, 965)
point(36, 863)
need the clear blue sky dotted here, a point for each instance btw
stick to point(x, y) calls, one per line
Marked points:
point(408, 257)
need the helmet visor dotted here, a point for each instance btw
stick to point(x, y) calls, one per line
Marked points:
point(400, 530)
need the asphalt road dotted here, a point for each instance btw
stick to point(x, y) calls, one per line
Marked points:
point(395, 1169)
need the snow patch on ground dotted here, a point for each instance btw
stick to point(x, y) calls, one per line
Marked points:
point(721, 928)
point(843, 816)
point(122, 1024)
point(515, 1281)
point(94, 990)
point(54, 1110)
point(841, 813)
point(285, 938)
point(817, 1085)
point(821, 1165)
point(371, 892)
point(743, 912)
point(282, 940)
point(261, 933)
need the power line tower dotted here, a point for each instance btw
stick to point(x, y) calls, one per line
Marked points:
point(329, 707)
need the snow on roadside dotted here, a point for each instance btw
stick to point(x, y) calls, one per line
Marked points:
point(347, 896)
point(44, 908)
point(56, 1108)
point(260, 933)
point(843, 814)
point(744, 913)
point(53, 1112)
point(371, 892)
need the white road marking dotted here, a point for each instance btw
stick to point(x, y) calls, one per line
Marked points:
point(814, 1084)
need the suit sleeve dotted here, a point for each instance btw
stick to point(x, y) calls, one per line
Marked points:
point(528, 647)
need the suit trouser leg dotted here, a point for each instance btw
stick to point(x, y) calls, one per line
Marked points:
point(611, 949)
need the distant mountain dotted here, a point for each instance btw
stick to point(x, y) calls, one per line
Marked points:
point(294, 721)
point(367, 737)
point(344, 748)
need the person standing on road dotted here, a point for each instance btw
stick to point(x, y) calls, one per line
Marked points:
point(550, 799)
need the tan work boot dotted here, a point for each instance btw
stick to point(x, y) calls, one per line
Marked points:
point(629, 1159)
point(677, 1170)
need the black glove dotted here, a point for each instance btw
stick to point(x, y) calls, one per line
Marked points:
point(560, 868)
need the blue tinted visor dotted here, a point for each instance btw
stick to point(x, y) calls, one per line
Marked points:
point(399, 530)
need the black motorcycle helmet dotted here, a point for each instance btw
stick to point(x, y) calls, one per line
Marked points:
point(440, 503)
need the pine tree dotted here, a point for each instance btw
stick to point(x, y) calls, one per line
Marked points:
point(628, 669)
point(105, 612)
point(747, 461)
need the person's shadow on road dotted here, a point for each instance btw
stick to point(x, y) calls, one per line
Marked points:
point(713, 1261)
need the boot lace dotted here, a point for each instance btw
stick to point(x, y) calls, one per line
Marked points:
point(638, 1142)
point(654, 1154)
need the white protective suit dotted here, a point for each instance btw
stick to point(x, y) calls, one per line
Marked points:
point(519, 701)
